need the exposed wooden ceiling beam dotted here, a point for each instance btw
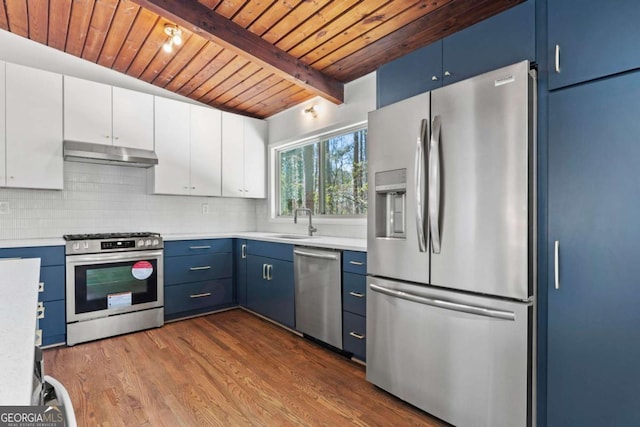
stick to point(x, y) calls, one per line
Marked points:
point(199, 19)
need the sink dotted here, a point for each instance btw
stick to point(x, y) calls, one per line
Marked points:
point(293, 236)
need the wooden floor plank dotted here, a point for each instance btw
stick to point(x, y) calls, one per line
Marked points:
point(225, 369)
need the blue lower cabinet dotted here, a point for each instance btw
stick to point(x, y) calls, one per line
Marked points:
point(52, 279)
point(53, 325)
point(354, 334)
point(197, 268)
point(354, 293)
point(197, 297)
point(270, 289)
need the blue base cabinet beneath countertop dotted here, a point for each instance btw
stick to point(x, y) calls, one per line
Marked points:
point(270, 281)
point(354, 303)
point(198, 277)
point(52, 293)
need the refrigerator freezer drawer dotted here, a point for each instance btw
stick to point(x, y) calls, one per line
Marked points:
point(465, 359)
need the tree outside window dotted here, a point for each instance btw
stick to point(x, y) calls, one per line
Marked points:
point(328, 176)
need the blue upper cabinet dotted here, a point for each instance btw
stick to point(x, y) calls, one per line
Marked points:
point(501, 40)
point(591, 39)
point(413, 74)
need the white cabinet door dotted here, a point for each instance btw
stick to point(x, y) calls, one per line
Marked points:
point(205, 151)
point(171, 174)
point(33, 128)
point(87, 111)
point(232, 155)
point(255, 136)
point(132, 119)
point(3, 158)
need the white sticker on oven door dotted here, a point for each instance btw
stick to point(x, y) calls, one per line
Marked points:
point(142, 270)
point(122, 299)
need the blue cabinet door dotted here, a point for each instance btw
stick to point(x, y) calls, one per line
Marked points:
point(594, 38)
point(240, 258)
point(501, 40)
point(594, 202)
point(272, 297)
point(415, 73)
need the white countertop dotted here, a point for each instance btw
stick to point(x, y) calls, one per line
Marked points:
point(27, 243)
point(344, 243)
point(19, 284)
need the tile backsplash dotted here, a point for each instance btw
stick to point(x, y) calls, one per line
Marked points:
point(104, 198)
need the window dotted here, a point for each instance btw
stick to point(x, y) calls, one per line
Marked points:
point(327, 175)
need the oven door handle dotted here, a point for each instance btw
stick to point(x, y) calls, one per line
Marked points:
point(113, 257)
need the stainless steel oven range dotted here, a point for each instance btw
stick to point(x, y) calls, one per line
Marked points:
point(114, 284)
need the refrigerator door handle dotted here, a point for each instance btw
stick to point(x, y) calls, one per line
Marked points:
point(556, 263)
point(434, 185)
point(424, 129)
point(447, 305)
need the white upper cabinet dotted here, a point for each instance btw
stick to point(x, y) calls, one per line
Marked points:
point(3, 158)
point(255, 135)
point(188, 147)
point(171, 174)
point(243, 156)
point(87, 111)
point(102, 114)
point(206, 154)
point(132, 119)
point(33, 128)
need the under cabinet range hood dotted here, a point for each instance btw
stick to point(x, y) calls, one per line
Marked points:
point(76, 151)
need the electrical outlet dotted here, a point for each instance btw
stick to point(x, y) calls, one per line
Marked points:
point(205, 209)
point(4, 208)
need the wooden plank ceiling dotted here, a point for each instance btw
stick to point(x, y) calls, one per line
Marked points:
point(313, 46)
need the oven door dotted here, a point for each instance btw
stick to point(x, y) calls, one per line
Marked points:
point(101, 285)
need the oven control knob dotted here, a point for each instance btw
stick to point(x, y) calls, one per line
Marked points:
point(148, 242)
point(155, 242)
point(76, 246)
point(140, 243)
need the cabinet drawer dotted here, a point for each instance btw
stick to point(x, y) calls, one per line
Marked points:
point(194, 247)
point(49, 255)
point(197, 268)
point(354, 293)
point(198, 295)
point(354, 331)
point(283, 251)
point(53, 323)
point(354, 262)
point(52, 279)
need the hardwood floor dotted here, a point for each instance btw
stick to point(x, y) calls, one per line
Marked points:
point(225, 369)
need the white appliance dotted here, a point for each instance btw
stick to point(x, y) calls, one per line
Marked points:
point(451, 250)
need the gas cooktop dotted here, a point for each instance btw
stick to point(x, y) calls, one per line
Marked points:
point(104, 236)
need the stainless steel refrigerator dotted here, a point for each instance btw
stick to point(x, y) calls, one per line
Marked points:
point(451, 249)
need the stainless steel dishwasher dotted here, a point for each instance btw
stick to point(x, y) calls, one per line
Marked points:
point(318, 294)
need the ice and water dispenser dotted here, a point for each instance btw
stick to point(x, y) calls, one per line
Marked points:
point(391, 191)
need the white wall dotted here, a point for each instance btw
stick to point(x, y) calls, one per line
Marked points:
point(291, 125)
point(20, 50)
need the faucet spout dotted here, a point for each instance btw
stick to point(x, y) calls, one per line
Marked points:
point(312, 229)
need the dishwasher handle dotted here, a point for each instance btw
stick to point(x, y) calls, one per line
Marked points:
point(314, 255)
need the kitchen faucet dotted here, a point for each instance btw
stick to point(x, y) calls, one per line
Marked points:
point(308, 211)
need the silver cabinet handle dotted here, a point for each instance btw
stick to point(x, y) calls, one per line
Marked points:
point(40, 310)
point(200, 247)
point(314, 255)
point(447, 305)
point(41, 287)
point(264, 271)
point(422, 242)
point(38, 336)
point(557, 64)
point(356, 294)
point(269, 272)
point(356, 262)
point(446, 73)
point(204, 267)
point(356, 335)
point(243, 250)
point(556, 263)
point(434, 185)
point(202, 295)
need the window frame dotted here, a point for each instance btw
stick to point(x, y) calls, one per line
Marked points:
point(275, 175)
